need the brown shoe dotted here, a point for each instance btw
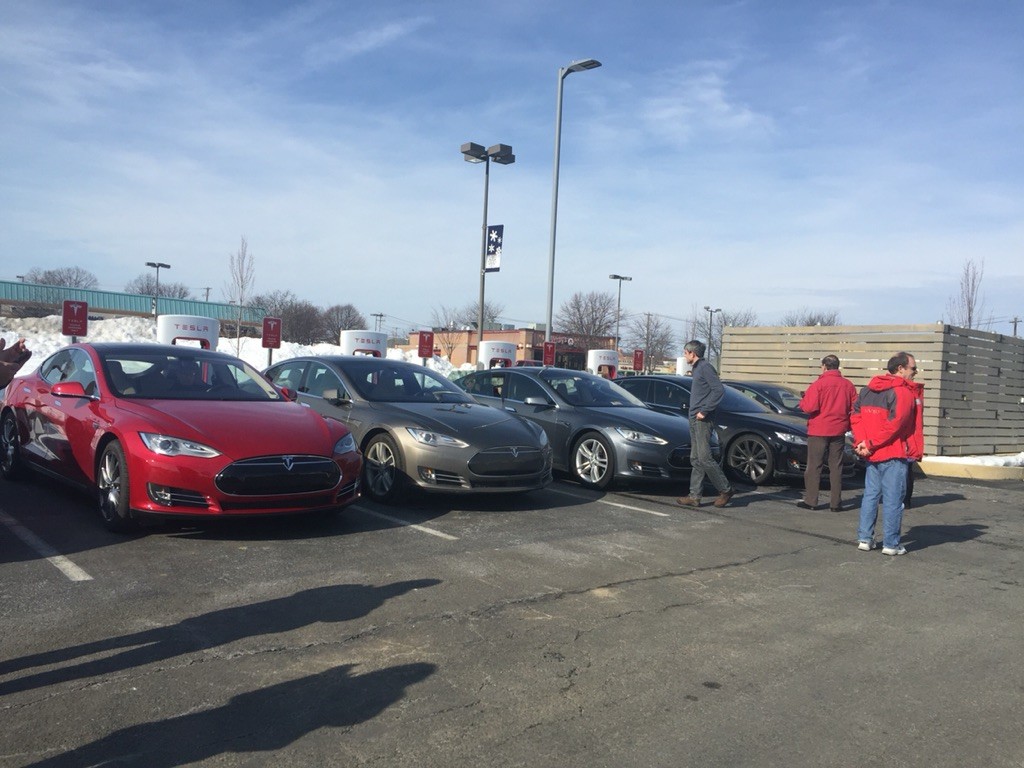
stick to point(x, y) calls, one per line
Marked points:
point(688, 501)
point(724, 498)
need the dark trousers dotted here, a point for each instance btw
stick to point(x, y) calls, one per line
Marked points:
point(820, 450)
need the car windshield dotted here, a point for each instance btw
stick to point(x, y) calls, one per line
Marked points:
point(377, 381)
point(185, 375)
point(788, 398)
point(735, 401)
point(584, 389)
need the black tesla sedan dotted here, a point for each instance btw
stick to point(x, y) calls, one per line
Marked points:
point(758, 444)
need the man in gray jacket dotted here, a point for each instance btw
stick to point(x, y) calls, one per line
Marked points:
point(706, 393)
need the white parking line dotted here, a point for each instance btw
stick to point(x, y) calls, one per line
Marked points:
point(407, 524)
point(61, 563)
point(612, 503)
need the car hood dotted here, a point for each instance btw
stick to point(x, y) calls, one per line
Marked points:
point(768, 421)
point(472, 422)
point(240, 428)
point(672, 428)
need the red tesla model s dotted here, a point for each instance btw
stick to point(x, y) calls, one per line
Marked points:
point(175, 431)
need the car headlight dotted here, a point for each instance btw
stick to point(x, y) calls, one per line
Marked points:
point(636, 436)
point(789, 437)
point(347, 444)
point(165, 445)
point(435, 439)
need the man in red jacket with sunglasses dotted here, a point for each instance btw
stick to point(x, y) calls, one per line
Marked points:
point(887, 431)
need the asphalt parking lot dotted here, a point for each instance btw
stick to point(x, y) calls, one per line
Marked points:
point(559, 628)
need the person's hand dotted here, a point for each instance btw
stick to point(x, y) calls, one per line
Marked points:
point(700, 416)
point(11, 359)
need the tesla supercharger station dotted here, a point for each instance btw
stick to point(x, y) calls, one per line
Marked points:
point(173, 329)
point(370, 343)
point(497, 354)
point(603, 362)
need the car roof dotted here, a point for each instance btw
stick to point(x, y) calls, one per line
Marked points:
point(113, 348)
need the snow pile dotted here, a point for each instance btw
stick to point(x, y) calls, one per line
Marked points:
point(44, 338)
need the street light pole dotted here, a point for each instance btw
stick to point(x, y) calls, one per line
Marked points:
point(618, 307)
point(711, 321)
point(563, 72)
point(475, 153)
point(157, 265)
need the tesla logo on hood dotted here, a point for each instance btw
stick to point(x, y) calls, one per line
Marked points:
point(289, 462)
point(515, 452)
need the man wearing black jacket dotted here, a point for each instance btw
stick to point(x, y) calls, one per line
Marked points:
point(706, 393)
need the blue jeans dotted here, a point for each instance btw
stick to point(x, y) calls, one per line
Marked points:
point(888, 480)
point(701, 460)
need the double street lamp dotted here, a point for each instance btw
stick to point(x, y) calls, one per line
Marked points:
point(563, 72)
point(475, 153)
point(618, 306)
point(157, 265)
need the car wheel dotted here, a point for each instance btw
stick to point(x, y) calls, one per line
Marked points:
point(592, 462)
point(11, 465)
point(383, 469)
point(112, 481)
point(750, 458)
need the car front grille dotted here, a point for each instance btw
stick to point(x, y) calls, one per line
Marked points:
point(509, 461)
point(278, 476)
point(680, 457)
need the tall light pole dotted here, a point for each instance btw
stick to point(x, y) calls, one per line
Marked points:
point(618, 306)
point(157, 265)
point(711, 320)
point(563, 72)
point(475, 153)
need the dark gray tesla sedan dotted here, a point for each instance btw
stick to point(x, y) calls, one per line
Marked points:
point(598, 430)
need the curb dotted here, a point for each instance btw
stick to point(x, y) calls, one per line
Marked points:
point(969, 471)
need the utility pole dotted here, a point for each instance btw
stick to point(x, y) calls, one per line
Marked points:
point(380, 319)
point(207, 289)
point(1015, 320)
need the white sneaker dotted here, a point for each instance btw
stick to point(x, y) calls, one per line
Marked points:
point(866, 546)
point(900, 550)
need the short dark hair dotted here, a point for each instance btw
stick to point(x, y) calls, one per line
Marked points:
point(696, 347)
point(897, 361)
point(830, 362)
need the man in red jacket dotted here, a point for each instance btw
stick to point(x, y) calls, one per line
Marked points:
point(888, 433)
point(828, 402)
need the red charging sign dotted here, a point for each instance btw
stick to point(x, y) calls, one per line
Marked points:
point(271, 332)
point(75, 319)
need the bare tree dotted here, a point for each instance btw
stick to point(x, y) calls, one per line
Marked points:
point(45, 299)
point(805, 316)
point(709, 329)
point(242, 272)
point(447, 328)
point(966, 308)
point(469, 315)
point(587, 317)
point(145, 285)
point(66, 277)
point(341, 317)
point(652, 334)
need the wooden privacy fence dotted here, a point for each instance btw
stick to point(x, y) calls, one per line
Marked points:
point(974, 380)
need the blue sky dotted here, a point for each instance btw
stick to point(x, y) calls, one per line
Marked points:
point(763, 156)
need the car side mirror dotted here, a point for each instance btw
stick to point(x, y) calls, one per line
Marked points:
point(538, 400)
point(68, 389)
point(332, 396)
point(289, 394)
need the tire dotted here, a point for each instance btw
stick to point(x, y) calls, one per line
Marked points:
point(592, 462)
point(383, 469)
point(112, 482)
point(11, 465)
point(750, 458)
